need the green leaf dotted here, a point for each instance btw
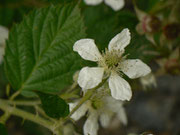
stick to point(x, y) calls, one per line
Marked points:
point(57, 1)
point(3, 130)
point(127, 19)
point(53, 105)
point(103, 23)
point(39, 54)
point(140, 48)
point(147, 5)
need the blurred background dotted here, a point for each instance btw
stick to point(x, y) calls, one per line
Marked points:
point(155, 28)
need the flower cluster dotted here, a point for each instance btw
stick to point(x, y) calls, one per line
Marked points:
point(99, 109)
point(112, 63)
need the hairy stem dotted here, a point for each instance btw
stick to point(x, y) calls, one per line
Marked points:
point(26, 115)
point(15, 95)
point(22, 102)
point(87, 96)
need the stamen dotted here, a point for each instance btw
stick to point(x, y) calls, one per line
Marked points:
point(111, 60)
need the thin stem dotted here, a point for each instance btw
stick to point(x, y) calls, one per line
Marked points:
point(22, 102)
point(87, 96)
point(41, 111)
point(26, 115)
point(15, 95)
point(4, 117)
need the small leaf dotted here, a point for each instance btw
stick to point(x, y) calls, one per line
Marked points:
point(53, 105)
point(39, 54)
point(3, 130)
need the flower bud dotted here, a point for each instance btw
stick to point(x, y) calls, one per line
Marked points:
point(155, 24)
point(171, 31)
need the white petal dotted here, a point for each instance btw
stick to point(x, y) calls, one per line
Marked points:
point(122, 116)
point(117, 107)
point(135, 68)
point(148, 81)
point(105, 118)
point(113, 104)
point(120, 88)
point(115, 4)
point(3, 34)
point(90, 77)
point(93, 2)
point(120, 41)
point(91, 125)
point(80, 112)
point(87, 49)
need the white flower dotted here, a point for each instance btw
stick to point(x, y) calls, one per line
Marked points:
point(148, 81)
point(99, 109)
point(3, 36)
point(114, 4)
point(111, 63)
point(68, 129)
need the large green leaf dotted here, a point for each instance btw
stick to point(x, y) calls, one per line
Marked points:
point(103, 23)
point(39, 53)
point(53, 105)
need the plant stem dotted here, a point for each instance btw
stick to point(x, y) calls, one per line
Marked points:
point(4, 117)
point(22, 102)
point(26, 115)
point(15, 95)
point(87, 96)
point(41, 111)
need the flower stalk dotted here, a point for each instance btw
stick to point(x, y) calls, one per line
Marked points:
point(87, 96)
point(25, 115)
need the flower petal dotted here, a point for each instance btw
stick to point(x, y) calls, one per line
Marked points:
point(80, 112)
point(105, 118)
point(120, 41)
point(93, 2)
point(122, 116)
point(87, 49)
point(90, 77)
point(91, 125)
point(3, 34)
point(113, 104)
point(135, 68)
point(148, 81)
point(120, 88)
point(115, 4)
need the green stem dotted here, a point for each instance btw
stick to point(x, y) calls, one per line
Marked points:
point(4, 117)
point(26, 115)
point(22, 102)
point(15, 95)
point(41, 111)
point(87, 96)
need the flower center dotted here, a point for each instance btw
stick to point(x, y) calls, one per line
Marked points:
point(111, 60)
